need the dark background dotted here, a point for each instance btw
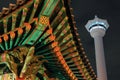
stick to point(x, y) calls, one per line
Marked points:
point(85, 10)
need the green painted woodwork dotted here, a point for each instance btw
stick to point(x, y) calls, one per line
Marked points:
point(48, 7)
point(34, 36)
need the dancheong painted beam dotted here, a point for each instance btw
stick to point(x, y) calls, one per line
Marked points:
point(39, 41)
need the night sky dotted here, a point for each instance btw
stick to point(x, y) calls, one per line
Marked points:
point(85, 10)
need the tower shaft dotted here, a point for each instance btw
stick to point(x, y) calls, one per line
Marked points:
point(100, 58)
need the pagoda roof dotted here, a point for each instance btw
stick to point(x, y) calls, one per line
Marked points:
point(49, 26)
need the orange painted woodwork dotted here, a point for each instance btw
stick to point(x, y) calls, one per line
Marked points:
point(0, 40)
point(20, 31)
point(28, 26)
point(12, 34)
point(5, 37)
